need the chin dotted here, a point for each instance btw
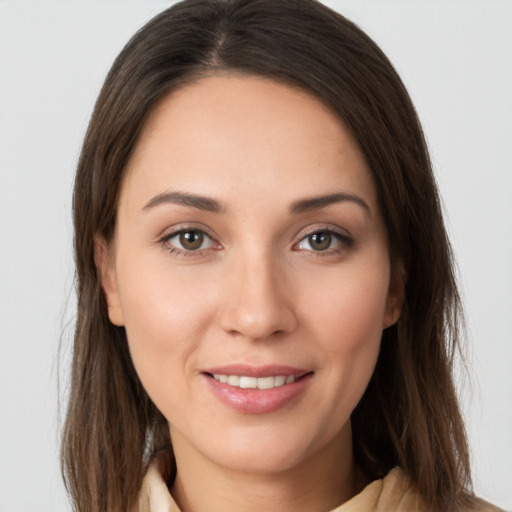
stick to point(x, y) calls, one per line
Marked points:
point(264, 449)
point(256, 460)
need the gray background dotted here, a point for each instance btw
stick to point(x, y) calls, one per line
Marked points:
point(456, 59)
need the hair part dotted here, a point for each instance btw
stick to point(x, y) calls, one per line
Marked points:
point(409, 414)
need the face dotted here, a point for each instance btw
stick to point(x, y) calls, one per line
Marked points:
point(250, 269)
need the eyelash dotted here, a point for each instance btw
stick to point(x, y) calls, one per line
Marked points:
point(344, 242)
point(164, 241)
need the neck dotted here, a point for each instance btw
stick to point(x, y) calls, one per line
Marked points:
point(321, 482)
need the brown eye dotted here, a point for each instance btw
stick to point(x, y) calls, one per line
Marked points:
point(188, 241)
point(325, 241)
point(191, 240)
point(320, 241)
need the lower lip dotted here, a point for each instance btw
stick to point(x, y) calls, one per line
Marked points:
point(258, 401)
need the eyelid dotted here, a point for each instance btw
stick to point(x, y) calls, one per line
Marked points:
point(345, 239)
point(174, 231)
point(184, 226)
point(315, 228)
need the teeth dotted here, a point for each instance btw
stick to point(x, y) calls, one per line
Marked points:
point(266, 382)
point(279, 381)
point(246, 382)
point(234, 380)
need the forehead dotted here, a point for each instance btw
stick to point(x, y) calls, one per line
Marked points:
point(229, 135)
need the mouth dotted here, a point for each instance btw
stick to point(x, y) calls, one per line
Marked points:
point(251, 390)
point(250, 382)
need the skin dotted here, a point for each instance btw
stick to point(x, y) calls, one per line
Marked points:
point(258, 292)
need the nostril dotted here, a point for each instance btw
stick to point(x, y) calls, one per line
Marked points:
point(257, 314)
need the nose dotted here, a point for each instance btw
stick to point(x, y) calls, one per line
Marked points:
point(258, 304)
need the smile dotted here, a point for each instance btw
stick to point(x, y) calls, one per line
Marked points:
point(248, 382)
point(258, 390)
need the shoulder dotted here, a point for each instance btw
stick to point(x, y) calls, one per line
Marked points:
point(393, 492)
point(396, 492)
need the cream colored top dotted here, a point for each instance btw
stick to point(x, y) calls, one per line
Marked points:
point(393, 493)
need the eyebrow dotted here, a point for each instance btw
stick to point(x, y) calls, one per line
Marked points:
point(206, 204)
point(316, 203)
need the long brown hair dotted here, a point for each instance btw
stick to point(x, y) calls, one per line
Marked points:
point(409, 415)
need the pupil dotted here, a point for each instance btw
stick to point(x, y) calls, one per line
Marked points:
point(320, 241)
point(191, 240)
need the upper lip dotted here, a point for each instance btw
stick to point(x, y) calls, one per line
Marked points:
point(257, 371)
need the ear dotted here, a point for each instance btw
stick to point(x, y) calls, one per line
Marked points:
point(105, 266)
point(396, 295)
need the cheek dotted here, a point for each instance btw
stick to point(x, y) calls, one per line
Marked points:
point(352, 338)
point(346, 319)
point(349, 304)
point(161, 305)
point(165, 316)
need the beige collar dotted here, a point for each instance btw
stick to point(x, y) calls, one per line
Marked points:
point(395, 492)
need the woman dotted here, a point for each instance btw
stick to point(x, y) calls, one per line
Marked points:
point(267, 312)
